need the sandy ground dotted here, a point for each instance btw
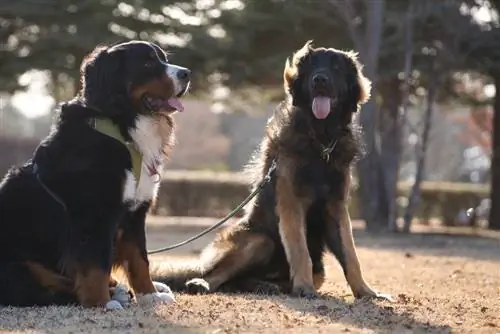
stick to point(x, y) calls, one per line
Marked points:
point(441, 283)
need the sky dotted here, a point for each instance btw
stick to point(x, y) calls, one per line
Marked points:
point(35, 101)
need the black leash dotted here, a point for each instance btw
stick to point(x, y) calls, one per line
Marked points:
point(254, 193)
point(326, 152)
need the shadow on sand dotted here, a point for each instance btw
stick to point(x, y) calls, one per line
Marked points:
point(479, 245)
point(380, 316)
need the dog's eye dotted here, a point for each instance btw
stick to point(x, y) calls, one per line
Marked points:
point(150, 64)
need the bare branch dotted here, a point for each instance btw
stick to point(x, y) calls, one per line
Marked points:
point(348, 14)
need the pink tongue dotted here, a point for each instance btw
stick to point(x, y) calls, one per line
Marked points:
point(175, 103)
point(321, 107)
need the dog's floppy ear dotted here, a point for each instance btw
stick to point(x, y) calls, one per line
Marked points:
point(363, 84)
point(101, 78)
point(290, 73)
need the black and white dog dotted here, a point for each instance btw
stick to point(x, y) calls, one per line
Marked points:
point(77, 209)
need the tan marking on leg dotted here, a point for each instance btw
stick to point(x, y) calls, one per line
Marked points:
point(318, 279)
point(49, 279)
point(136, 267)
point(113, 282)
point(353, 273)
point(92, 287)
point(291, 212)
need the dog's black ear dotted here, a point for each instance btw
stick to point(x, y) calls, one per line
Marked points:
point(363, 84)
point(102, 79)
point(291, 65)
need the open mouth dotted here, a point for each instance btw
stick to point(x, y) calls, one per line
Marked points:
point(156, 104)
point(322, 105)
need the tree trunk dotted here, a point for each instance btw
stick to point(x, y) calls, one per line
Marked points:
point(414, 197)
point(372, 190)
point(390, 133)
point(494, 219)
point(373, 197)
point(392, 148)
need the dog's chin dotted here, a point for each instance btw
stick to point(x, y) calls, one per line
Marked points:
point(322, 106)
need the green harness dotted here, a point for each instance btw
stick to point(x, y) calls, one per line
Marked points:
point(107, 127)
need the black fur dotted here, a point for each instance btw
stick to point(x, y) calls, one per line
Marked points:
point(85, 170)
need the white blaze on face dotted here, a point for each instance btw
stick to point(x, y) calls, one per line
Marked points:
point(321, 107)
point(172, 72)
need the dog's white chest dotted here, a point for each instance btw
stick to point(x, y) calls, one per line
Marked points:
point(144, 191)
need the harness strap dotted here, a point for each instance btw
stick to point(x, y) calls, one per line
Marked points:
point(107, 127)
point(46, 188)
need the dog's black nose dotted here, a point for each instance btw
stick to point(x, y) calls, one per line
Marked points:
point(184, 74)
point(320, 79)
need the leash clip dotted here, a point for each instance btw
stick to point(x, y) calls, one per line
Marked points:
point(271, 170)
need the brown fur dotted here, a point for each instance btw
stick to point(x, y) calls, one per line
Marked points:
point(278, 245)
point(92, 287)
point(128, 258)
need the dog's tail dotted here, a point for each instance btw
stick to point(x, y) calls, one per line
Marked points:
point(175, 272)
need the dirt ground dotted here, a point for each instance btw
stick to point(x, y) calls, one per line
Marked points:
point(442, 281)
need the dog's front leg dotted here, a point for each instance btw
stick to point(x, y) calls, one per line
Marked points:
point(340, 241)
point(89, 259)
point(292, 229)
point(132, 254)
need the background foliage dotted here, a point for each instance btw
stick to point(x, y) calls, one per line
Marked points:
point(417, 53)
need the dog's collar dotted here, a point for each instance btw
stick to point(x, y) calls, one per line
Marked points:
point(326, 151)
point(107, 127)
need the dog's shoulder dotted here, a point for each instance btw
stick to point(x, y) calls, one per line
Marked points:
point(73, 145)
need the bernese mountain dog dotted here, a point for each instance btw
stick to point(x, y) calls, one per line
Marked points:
point(76, 210)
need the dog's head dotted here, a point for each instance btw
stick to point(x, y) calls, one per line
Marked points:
point(132, 78)
point(325, 81)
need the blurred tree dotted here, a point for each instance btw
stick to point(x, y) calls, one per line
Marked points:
point(365, 27)
point(56, 34)
point(483, 46)
point(243, 45)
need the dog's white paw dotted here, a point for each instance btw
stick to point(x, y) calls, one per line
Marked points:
point(114, 305)
point(156, 298)
point(161, 287)
point(121, 294)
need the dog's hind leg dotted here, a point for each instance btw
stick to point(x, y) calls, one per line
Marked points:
point(32, 284)
point(228, 257)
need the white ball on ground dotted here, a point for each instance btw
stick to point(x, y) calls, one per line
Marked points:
point(122, 295)
point(113, 305)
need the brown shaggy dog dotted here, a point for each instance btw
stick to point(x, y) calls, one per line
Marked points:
point(279, 245)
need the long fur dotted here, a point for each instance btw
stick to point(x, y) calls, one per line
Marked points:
point(74, 210)
point(296, 139)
